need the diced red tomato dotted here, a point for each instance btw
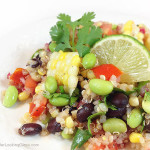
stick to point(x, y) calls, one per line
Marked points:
point(101, 147)
point(18, 78)
point(30, 84)
point(107, 70)
point(112, 146)
point(107, 29)
point(37, 111)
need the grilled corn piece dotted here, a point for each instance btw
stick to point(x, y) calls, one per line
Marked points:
point(64, 66)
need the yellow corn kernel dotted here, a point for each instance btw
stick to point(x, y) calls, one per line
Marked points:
point(135, 137)
point(140, 37)
point(65, 79)
point(128, 26)
point(90, 74)
point(134, 101)
point(75, 60)
point(69, 122)
point(55, 113)
point(27, 118)
point(23, 96)
point(41, 72)
point(62, 56)
point(104, 138)
point(72, 81)
point(53, 65)
point(38, 89)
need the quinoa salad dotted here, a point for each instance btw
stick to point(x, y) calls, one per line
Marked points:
point(89, 84)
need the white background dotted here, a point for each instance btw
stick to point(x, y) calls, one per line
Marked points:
point(15, 13)
point(29, 21)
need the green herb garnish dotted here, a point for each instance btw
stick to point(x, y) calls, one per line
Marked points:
point(92, 117)
point(109, 105)
point(80, 138)
point(78, 35)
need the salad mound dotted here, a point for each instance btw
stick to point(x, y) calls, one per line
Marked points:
point(91, 84)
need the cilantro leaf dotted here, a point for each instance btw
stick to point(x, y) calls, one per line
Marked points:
point(63, 41)
point(64, 19)
point(140, 85)
point(92, 117)
point(109, 105)
point(94, 36)
point(125, 92)
point(56, 32)
point(80, 138)
point(85, 20)
point(86, 38)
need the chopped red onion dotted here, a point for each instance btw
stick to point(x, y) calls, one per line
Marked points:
point(142, 30)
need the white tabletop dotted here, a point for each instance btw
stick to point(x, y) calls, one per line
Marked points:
point(15, 13)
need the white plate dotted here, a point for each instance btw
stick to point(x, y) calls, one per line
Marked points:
point(16, 48)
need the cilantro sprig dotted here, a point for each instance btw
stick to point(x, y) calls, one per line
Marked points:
point(78, 35)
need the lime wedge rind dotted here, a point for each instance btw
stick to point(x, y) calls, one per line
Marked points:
point(126, 53)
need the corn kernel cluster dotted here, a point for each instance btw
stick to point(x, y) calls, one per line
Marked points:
point(130, 28)
point(64, 66)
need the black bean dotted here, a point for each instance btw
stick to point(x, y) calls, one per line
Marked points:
point(53, 126)
point(30, 129)
point(35, 65)
point(38, 61)
point(147, 128)
point(119, 100)
point(71, 109)
point(85, 112)
point(116, 113)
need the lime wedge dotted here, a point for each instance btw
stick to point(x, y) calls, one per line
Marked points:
point(126, 53)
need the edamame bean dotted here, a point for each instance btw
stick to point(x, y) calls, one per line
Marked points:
point(10, 96)
point(135, 118)
point(52, 46)
point(89, 61)
point(146, 106)
point(66, 136)
point(114, 125)
point(59, 101)
point(51, 84)
point(100, 87)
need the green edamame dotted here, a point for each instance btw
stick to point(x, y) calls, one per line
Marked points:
point(146, 106)
point(66, 136)
point(114, 125)
point(11, 96)
point(52, 46)
point(100, 87)
point(89, 61)
point(135, 118)
point(51, 84)
point(59, 101)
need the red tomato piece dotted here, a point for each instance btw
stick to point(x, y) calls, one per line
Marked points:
point(36, 111)
point(107, 29)
point(30, 84)
point(113, 146)
point(18, 78)
point(107, 70)
point(101, 147)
